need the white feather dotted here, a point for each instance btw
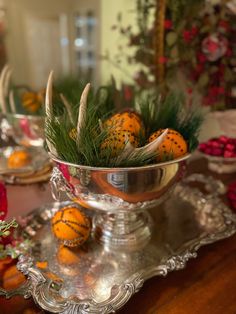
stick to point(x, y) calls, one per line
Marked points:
point(68, 107)
point(82, 111)
point(2, 90)
point(48, 96)
point(12, 102)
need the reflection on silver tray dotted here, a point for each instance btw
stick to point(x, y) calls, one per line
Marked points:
point(39, 162)
point(102, 281)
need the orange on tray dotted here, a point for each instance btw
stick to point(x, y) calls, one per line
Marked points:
point(42, 265)
point(12, 278)
point(18, 159)
point(71, 226)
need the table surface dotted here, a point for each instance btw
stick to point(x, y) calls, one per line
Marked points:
point(206, 286)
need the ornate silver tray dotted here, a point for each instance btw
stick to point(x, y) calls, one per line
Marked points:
point(98, 280)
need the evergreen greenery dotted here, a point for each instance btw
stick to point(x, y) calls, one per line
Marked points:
point(155, 113)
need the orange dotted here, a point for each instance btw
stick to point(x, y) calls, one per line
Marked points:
point(71, 226)
point(42, 265)
point(173, 146)
point(12, 278)
point(125, 121)
point(32, 101)
point(18, 159)
point(116, 141)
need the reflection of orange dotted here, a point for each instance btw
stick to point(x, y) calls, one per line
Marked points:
point(81, 202)
point(12, 278)
point(42, 265)
point(89, 279)
point(18, 159)
point(31, 311)
point(5, 262)
point(71, 226)
point(53, 277)
point(66, 256)
point(173, 146)
point(107, 188)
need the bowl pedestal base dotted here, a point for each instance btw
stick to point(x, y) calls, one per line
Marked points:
point(123, 230)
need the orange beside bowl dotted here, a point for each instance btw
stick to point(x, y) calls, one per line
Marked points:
point(71, 226)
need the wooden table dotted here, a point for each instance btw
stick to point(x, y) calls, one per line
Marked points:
point(206, 286)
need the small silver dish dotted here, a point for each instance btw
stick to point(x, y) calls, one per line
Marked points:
point(38, 160)
point(220, 164)
point(26, 130)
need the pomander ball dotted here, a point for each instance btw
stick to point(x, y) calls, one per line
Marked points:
point(173, 146)
point(117, 140)
point(125, 121)
point(71, 226)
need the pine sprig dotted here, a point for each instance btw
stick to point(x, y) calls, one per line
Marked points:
point(6, 226)
point(172, 113)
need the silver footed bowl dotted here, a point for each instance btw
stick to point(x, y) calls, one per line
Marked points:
point(121, 196)
point(26, 130)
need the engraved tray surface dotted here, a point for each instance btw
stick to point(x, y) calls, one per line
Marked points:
point(96, 280)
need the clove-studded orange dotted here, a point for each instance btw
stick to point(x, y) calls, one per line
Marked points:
point(117, 140)
point(71, 226)
point(173, 146)
point(32, 101)
point(127, 120)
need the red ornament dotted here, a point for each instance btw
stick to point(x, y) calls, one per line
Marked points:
point(3, 201)
point(187, 36)
point(163, 60)
point(194, 31)
point(168, 24)
point(201, 57)
point(224, 24)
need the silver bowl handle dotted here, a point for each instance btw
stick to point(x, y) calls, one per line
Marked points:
point(58, 184)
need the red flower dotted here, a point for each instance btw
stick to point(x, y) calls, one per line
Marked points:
point(201, 57)
point(163, 60)
point(128, 93)
point(221, 90)
point(187, 36)
point(189, 91)
point(229, 52)
point(224, 24)
point(168, 24)
point(194, 31)
point(199, 68)
point(214, 46)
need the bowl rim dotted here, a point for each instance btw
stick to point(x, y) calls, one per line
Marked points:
point(119, 169)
